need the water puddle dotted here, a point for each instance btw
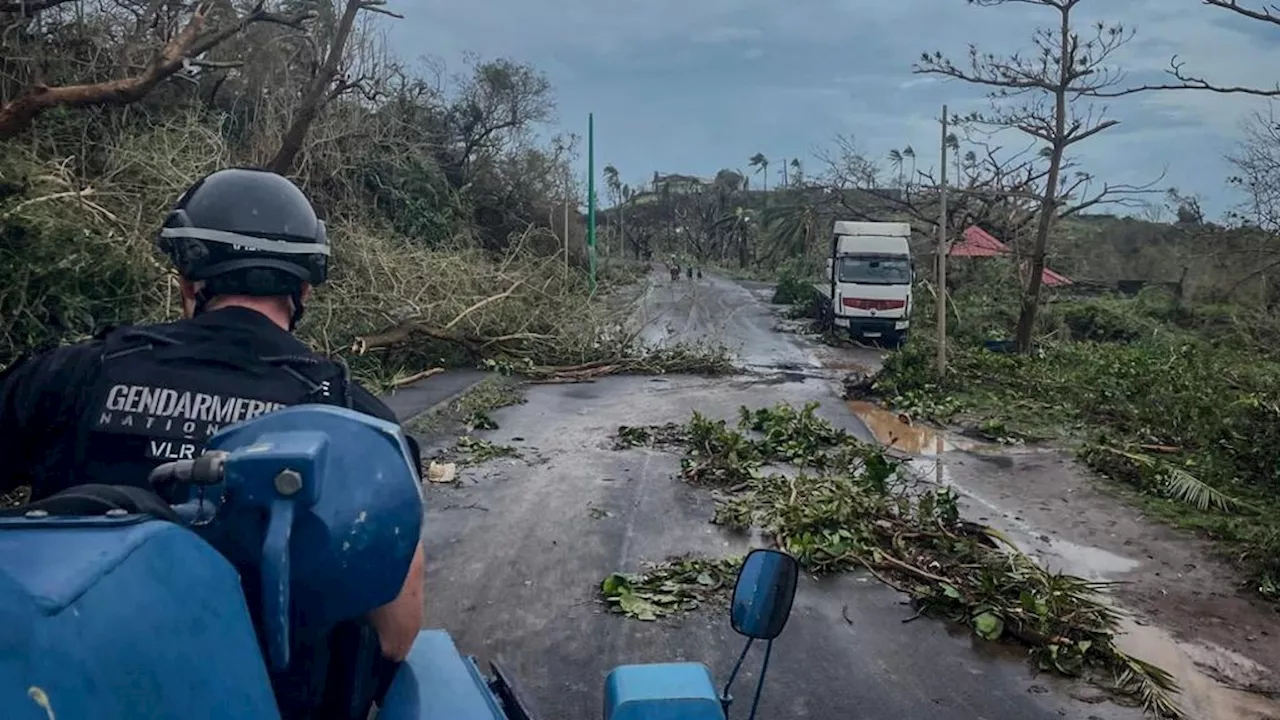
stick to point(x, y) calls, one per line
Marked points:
point(1195, 665)
point(896, 431)
point(1202, 697)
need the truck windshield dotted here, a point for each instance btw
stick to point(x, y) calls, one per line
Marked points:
point(875, 270)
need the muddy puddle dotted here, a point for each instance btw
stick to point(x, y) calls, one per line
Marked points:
point(1195, 665)
point(896, 431)
point(1201, 696)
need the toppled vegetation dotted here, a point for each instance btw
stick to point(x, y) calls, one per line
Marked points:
point(473, 408)
point(438, 191)
point(1151, 393)
point(674, 585)
point(839, 504)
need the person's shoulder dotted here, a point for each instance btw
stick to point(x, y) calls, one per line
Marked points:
point(54, 364)
point(47, 373)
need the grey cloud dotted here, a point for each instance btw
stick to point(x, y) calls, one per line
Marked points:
point(700, 85)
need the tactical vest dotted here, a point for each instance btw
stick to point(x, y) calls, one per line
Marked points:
point(157, 399)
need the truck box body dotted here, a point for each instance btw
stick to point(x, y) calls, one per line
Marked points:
point(869, 277)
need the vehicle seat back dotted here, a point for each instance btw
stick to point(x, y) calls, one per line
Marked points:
point(123, 618)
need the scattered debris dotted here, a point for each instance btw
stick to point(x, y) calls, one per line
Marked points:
point(846, 506)
point(442, 472)
point(675, 585)
point(471, 450)
point(411, 379)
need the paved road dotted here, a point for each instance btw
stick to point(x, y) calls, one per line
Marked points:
point(517, 550)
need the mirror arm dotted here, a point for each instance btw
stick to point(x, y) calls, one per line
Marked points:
point(764, 668)
point(725, 698)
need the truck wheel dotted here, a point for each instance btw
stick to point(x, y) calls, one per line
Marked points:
point(897, 340)
point(826, 317)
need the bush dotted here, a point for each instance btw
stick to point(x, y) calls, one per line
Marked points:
point(793, 290)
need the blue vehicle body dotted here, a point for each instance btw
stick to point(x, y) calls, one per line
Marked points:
point(125, 617)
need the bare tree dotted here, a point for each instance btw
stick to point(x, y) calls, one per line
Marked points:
point(327, 84)
point(184, 36)
point(1045, 94)
point(1183, 80)
point(1257, 163)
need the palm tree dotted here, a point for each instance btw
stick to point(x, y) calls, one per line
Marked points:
point(797, 171)
point(761, 164)
point(614, 187)
point(953, 144)
point(612, 183)
point(790, 230)
point(627, 194)
point(895, 162)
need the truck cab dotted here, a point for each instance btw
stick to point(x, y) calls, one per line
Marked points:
point(869, 279)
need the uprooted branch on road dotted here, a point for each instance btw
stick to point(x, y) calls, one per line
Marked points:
point(839, 504)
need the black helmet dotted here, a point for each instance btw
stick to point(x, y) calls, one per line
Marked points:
point(246, 231)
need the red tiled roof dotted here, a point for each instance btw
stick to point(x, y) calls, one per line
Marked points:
point(976, 242)
point(1054, 279)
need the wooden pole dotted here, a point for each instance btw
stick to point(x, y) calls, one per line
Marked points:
point(943, 249)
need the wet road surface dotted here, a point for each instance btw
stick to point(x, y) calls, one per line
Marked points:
point(516, 550)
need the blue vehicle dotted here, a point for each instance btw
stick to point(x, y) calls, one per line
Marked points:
point(288, 526)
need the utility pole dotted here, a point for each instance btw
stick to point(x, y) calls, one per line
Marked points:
point(591, 198)
point(568, 193)
point(943, 249)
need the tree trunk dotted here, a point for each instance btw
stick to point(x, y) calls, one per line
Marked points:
point(317, 93)
point(1049, 205)
point(17, 114)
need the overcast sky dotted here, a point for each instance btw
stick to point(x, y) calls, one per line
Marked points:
point(696, 85)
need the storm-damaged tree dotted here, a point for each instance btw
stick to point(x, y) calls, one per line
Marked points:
point(761, 164)
point(1257, 157)
point(162, 40)
point(328, 80)
point(1046, 94)
point(613, 188)
point(993, 187)
point(1262, 12)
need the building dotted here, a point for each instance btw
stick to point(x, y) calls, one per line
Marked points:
point(978, 243)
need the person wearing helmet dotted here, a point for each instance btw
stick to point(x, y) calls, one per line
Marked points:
point(248, 248)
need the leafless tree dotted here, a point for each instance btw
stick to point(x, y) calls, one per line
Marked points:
point(1256, 160)
point(328, 83)
point(1182, 79)
point(1046, 93)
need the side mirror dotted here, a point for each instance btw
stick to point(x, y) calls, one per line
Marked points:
point(764, 593)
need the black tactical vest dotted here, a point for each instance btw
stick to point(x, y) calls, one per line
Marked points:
point(157, 399)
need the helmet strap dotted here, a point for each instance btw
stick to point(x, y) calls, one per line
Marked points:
point(202, 298)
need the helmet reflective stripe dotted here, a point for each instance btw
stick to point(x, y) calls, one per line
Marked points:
point(246, 242)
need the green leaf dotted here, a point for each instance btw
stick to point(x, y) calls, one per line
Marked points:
point(988, 626)
point(615, 585)
point(638, 608)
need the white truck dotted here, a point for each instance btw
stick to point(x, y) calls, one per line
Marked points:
point(868, 284)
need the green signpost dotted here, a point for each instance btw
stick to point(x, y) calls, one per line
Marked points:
point(591, 198)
